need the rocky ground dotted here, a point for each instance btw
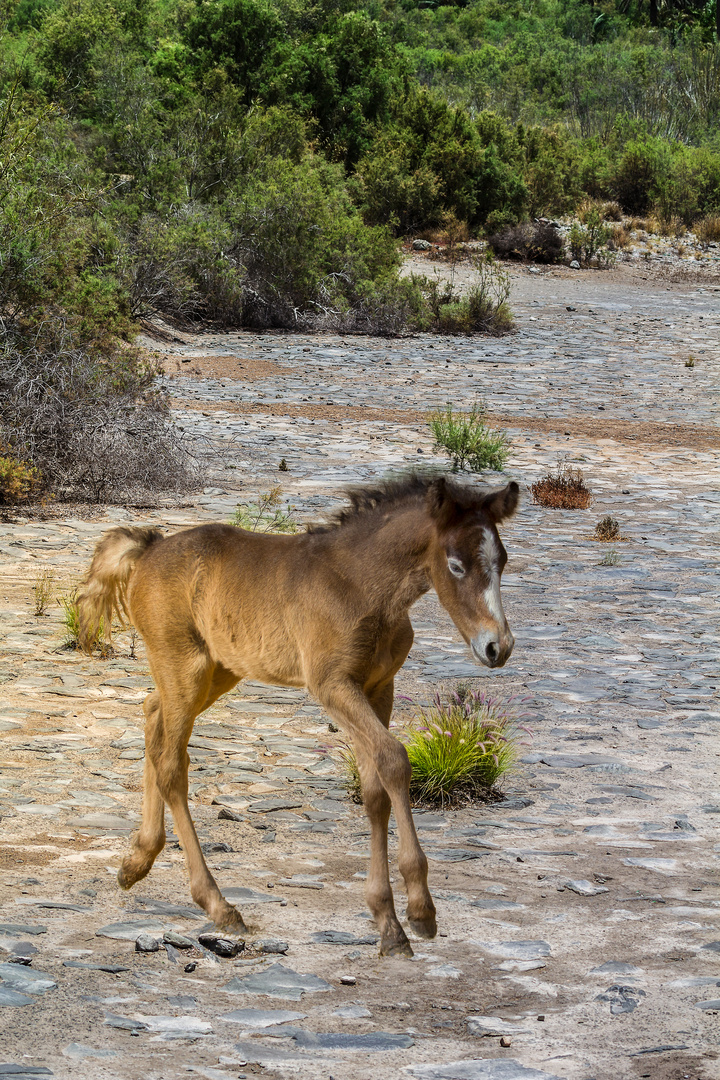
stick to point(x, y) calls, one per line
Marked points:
point(579, 916)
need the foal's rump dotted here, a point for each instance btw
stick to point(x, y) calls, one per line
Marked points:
point(215, 584)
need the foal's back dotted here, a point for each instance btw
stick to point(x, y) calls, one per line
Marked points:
point(245, 599)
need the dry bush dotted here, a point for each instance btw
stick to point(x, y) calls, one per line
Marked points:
point(707, 230)
point(612, 211)
point(94, 428)
point(528, 242)
point(666, 225)
point(608, 528)
point(619, 237)
point(637, 224)
point(565, 490)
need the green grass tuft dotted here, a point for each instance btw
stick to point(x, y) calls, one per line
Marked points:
point(467, 440)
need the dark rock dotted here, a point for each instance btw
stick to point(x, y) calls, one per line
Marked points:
point(222, 946)
point(622, 999)
point(270, 946)
point(146, 943)
point(178, 941)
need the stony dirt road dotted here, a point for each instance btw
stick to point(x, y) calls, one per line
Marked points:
point(579, 916)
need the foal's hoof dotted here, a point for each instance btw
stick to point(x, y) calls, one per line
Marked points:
point(129, 873)
point(396, 948)
point(424, 928)
point(230, 920)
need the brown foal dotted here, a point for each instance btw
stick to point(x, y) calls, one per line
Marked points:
point(327, 610)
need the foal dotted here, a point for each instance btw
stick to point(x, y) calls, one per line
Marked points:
point(327, 610)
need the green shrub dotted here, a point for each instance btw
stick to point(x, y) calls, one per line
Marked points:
point(589, 241)
point(18, 480)
point(266, 515)
point(467, 441)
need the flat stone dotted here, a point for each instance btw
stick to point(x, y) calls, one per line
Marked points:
point(9, 997)
point(585, 888)
point(443, 971)
point(352, 1012)
point(264, 806)
point(104, 821)
point(262, 1018)
point(478, 1069)
point(129, 931)
point(489, 903)
point(660, 866)
point(111, 969)
point(373, 1042)
point(342, 937)
point(177, 1025)
point(493, 1025)
point(240, 894)
point(79, 1052)
point(455, 854)
point(26, 980)
point(19, 930)
point(708, 1006)
point(277, 981)
point(516, 950)
point(616, 967)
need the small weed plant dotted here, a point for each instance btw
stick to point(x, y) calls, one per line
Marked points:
point(565, 490)
point(71, 620)
point(607, 529)
point(459, 748)
point(690, 362)
point(468, 441)
point(43, 590)
point(610, 558)
point(266, 515)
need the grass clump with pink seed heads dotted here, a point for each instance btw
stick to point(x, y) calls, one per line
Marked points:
point(459, 748)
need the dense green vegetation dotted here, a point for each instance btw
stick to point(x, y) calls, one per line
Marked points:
point(247, 161)
point(252, 162)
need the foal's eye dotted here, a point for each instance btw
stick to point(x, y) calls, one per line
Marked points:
point(456, 568)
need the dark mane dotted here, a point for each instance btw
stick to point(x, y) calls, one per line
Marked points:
point(395, 490)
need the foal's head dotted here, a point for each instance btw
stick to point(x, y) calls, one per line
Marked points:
point(467, 559)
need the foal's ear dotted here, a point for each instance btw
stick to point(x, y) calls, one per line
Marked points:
point(501, 504)
point(440, 503)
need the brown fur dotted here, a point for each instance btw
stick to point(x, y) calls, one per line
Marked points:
point(327, 610)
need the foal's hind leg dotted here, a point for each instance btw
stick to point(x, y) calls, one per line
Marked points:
point(183, 694)
point(150, 840)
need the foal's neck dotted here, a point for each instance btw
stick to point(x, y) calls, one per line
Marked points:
point(389, 557)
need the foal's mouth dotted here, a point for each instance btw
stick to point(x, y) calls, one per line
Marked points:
point(490, 653)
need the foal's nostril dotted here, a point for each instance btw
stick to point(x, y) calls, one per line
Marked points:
point(492, 651)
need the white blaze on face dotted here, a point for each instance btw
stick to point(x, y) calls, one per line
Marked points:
point(491, 596)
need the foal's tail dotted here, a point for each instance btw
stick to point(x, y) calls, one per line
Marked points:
point(105, 590)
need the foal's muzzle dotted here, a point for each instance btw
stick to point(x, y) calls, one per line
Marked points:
point(493, 648)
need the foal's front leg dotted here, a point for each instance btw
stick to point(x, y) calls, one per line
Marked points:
point(385, 777)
